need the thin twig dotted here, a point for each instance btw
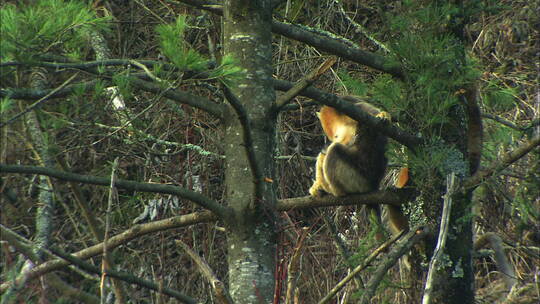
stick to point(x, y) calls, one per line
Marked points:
point(401, 248)
point(220, 291)
point(360, 28)
point(367, 261)
point(293, 274)
point(112, 196)
point(39, 102)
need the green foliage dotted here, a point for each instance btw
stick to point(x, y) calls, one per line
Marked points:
point(123, 84)
point(498, 98)
point(228, 71)
point(526, 204)
point(356, 87)
point(496, 136)
point(173, 46)
point(46, 26)
point(6, 104)
point(434, 64)
point(434, 160)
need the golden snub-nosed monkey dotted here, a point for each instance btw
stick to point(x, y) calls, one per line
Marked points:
point(354, 162)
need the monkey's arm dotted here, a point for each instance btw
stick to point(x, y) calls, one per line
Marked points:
point(319, 185)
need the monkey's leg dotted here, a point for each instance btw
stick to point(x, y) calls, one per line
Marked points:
point(342, 173)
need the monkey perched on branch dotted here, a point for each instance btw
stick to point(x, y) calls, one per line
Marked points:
point(354, 162)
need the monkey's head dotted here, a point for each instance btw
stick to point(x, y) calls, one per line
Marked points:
point(341, 128)
point(338, 127)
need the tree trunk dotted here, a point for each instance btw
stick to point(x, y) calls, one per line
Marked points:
point(251, 238)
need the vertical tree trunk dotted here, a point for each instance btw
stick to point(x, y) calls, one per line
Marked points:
point(251, 239)
point(454, 284)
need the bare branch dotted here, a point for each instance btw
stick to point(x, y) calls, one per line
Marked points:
point(38, 103)
point(195, 197)
point(218, 286)
point(92, 66)
point(174, 94)
point(306, 81)
point(437, 261)
point(293, 273)
point(202, 103)
point(394, 197)
point(502, 121)
point(113, 196)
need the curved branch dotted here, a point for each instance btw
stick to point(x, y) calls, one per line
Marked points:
point(195, 197)
point(174, 94)
point(254, 165)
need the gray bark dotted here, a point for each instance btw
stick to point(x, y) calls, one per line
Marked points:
point(251, 240)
